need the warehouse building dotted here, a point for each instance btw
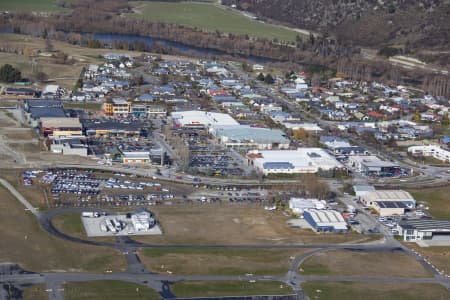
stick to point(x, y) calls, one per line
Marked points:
point(389, 202)
point(431, 232)
point(325, 220)
point(371, 165)
point(362, 190)
point(302, 160)
point(300, 205)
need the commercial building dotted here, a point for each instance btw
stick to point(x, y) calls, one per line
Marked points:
point(34, 110)
point(135, 157)
point(60, 127)
point(238, 136)
point(434, 151)
point(389, 202)
point(325, 220)
point(371, 165)
point(69, 146)
point(106, 127)
point(302, 160)
point(196, 118)
point(300, 205)
point(434, 232)
point(116, 107)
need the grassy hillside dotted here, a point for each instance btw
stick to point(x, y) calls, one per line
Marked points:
point(210, 17)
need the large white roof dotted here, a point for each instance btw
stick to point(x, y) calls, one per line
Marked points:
point(300, 158)
point(197, 117)
point(328, 218)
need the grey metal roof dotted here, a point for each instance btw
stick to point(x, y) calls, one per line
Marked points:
point(426, 224)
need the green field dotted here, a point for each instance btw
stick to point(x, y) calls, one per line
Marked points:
point(190, 289)
point(108, 289)
point(373, 291)
point(210, 17)
point(34, 5)
point(83, 105)
point(437, 199)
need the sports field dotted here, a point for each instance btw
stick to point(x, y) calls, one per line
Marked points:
point(210, 17)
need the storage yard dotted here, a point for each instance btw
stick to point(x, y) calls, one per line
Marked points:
point(141, 222)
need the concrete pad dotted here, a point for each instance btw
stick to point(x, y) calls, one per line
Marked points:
point(92, 226)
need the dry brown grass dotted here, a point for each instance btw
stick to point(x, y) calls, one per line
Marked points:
point(350, 263)
point(24, 242)
point(219, 261)
point(438, 256)
point(374, 291)
point(232, 224)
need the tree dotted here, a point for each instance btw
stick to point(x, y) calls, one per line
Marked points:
point(9, 74)
point(300, 134)
point(260, 77)
point(269, 79)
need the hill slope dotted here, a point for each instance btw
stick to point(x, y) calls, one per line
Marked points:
point(373, 23)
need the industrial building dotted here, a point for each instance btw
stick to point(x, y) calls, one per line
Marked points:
point(196, 118)
point(389, 202)
point(239, 136)
point(431, 232)
point(302, 160)
point(325, 220)
point(434, 151)
point(362, 190)
point(300, 205)
point(371, 165)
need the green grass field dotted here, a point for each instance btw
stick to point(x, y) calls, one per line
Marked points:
point(83, 105)
point(190, 289)
point(437, 199)
point(210, 17)
point(108, 289)
point(34, 5)
point(373, 291)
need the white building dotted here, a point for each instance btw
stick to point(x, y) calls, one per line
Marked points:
point(302, 160)
point(427, 232)
point(430, 151)
point(142, 220)
point(325, 220)
point(299, 205)
point(201, 118)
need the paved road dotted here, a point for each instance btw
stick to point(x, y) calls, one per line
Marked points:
point(19, 197)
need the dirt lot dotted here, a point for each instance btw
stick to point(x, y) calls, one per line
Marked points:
point(232, 224)
point(218, 261)
point(350, 263)
point(24, 242)
point(374, 291)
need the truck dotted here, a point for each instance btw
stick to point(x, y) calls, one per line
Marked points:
point(90, 214)
point(351, 209)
